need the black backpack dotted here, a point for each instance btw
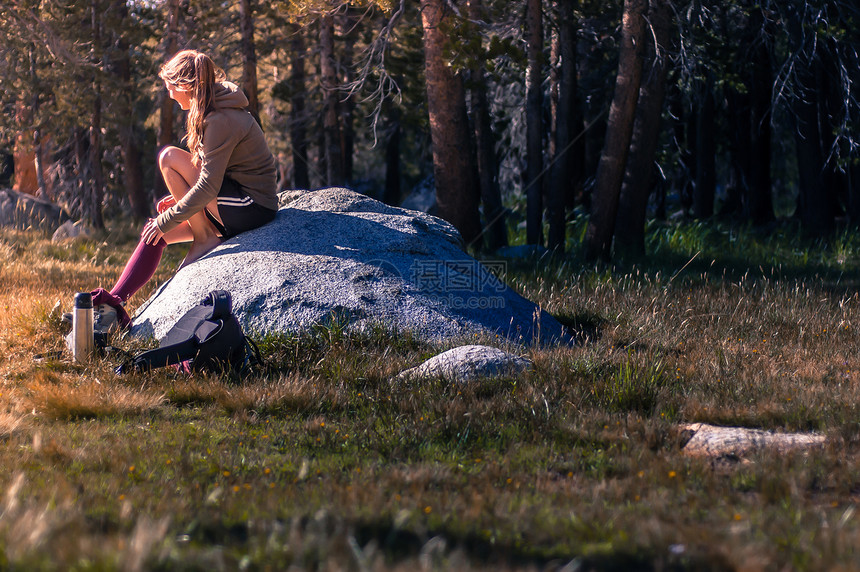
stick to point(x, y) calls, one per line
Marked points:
point(207, 337)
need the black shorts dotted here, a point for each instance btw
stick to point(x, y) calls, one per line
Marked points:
point(238, 211)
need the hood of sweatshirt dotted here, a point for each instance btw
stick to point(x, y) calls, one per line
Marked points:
point(228, 95)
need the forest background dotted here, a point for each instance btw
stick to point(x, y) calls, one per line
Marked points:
point(524, 113)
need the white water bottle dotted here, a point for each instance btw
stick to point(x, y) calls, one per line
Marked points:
point(82, 327)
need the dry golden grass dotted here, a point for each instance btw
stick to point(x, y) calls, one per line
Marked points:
point(90, 399)
point(326, 461)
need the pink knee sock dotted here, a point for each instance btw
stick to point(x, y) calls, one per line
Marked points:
point(139, 269)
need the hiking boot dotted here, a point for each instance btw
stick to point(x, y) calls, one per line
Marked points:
point(105, 319)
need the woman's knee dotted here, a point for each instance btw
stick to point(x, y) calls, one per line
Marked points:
point(168, 157)
point(175, 161)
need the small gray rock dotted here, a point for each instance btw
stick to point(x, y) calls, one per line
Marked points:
point(70, 231)
point(23, 211)
point(466, 363)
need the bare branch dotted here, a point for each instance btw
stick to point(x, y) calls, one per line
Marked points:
point(373, 60)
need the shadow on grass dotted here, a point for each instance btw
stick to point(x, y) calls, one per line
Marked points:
point(328, 540)
point(584, 329)
point(717, 250)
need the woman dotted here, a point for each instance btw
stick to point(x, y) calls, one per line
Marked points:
point(223, 185)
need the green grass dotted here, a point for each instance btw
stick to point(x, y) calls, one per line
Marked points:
point(325, 460)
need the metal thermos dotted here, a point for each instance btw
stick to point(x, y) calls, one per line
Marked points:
point(82, 326)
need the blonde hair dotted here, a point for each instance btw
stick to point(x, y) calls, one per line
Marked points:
point(195, 72)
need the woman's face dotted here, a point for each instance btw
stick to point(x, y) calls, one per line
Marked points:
point(180, 96)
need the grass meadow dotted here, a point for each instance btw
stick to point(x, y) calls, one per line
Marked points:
point(325, 462)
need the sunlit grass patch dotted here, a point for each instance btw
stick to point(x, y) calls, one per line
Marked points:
point(11, 423)
point(66, 399)
point(631, 387)
point(283, 394)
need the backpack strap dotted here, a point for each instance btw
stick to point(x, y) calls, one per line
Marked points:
point(221, 302)
point(160, 357)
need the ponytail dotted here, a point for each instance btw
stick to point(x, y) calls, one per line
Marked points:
point(194, 72)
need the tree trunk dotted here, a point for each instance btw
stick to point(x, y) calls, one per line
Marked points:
point(740, 121)
point(554, 80)
point(759, 201)
point(737, 118)
point(854, 193)
point(133, 173)
point(495, 228)
point(349, 25)
point(533, 180)
point(593, 142)
point(96, 219)
point(831, 113)
point(165, 129)
point(639, 175)
point(38, 163)
point(613, 161)
point(26, 180)
point(814, 203)
point(392, 191)
point(95, 158)
point(298, 117)
point(249, 57)
point(166, 135)
point(706, 153)
point(684, 135)
point(320, 168)
point(7, 168)
point(331, 123)
point(82, 172)
point(453, 164)
point(854, 166)
point(568, 165)
point(132, 170)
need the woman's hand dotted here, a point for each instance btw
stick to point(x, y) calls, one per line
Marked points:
point(151, 233)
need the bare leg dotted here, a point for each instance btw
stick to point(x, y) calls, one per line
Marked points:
point(179, 175)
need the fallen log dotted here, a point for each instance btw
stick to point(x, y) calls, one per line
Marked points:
point(713, 441)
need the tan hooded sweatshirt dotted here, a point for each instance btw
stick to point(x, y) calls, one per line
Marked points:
point(233, 145)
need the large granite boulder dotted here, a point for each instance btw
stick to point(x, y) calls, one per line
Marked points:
point(22, 211)
point(334, 254)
